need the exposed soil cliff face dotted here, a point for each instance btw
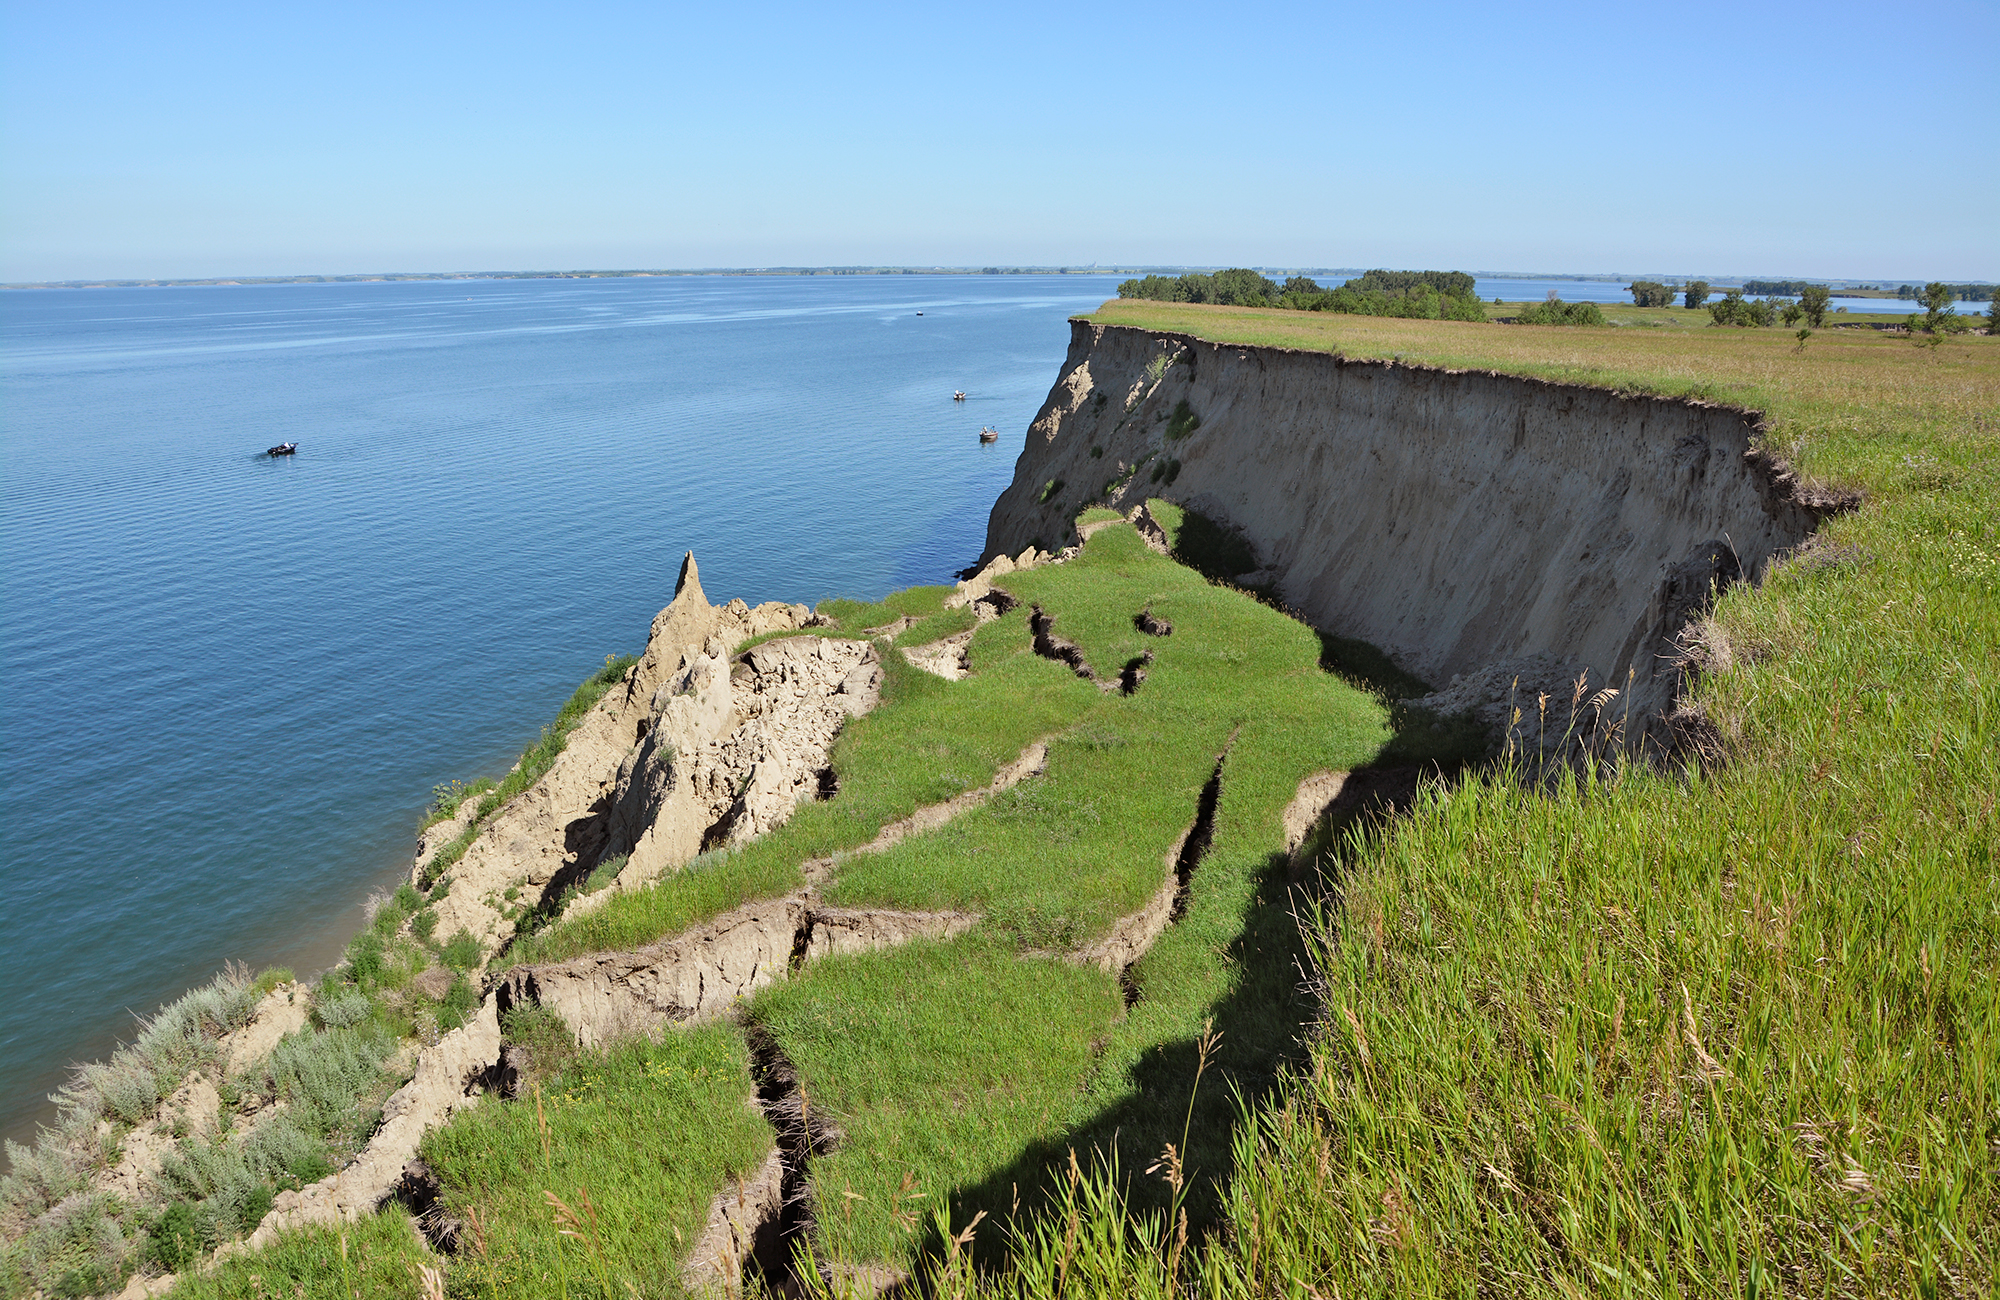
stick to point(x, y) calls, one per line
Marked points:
point(1460, 520)
point(679, 694)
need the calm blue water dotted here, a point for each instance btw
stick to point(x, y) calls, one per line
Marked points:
point(1608, 291)
point(229, 683)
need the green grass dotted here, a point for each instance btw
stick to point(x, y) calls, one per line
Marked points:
point(1668, 1033)
point(939, 1062)
point(1086, 843)
point(639, 1137)
point(901, 1049)
point(382, 1253)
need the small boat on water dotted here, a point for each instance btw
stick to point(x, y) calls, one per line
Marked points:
point(958, 395)
point(283, 449)
point(988, 433)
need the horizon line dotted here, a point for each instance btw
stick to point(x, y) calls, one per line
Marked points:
point(1052, 269)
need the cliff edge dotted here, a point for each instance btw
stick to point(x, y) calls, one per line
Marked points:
point(1478, 527)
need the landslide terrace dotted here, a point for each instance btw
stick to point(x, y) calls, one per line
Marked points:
point(1724, 1027)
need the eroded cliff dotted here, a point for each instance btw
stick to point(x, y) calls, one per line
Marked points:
point(1479, 527)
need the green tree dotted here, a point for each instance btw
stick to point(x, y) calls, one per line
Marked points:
point(1555, 311)
point(1241, 287)
point(1937, 298)
point(1813, 300)
point(1792, 313)
point(1735, 309)
point(1993, 316)
point(1651, 293)
point(1696, 295)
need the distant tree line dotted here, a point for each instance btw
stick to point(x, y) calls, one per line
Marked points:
point(1427, 295)
point(1735, 309)
point(1960, 292)
point(1651, 293)
point(1778, 288)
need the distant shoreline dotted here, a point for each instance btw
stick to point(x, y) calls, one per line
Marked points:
point(399, 276)
point(1842, 288)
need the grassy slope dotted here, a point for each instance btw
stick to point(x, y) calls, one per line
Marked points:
point(966, 1073)
point(378, 1256)
point(1730, 1033)
point(638, 1138)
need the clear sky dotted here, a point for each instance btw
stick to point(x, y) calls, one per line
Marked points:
point(1824, 138)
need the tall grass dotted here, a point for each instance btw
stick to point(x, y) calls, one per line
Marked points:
point(374, 1258)
point(1724, 1032)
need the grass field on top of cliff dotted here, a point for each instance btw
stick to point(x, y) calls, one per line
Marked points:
point(1716, 1032)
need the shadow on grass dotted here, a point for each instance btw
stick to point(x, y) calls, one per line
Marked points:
point(1266, 1021)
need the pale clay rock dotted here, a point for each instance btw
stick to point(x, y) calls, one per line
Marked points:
point(554, 825)
point(1456, 519)
point(699, 973)
point(284, 1010)
point(944, 658)
point(715, 1265)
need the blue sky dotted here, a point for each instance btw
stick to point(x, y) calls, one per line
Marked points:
point(1829, 139)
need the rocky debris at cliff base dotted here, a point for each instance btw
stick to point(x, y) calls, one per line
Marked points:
point(945, 658)
point(1538, 705)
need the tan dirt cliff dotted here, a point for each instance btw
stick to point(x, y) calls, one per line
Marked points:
point(1472, 524)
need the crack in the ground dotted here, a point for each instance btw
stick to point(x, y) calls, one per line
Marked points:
point(1146, 622)
point(993, 604)
point(1050, 646)
point(1134, 672)
point(1198, 839)
point(1187, 856)
point(803, 1133)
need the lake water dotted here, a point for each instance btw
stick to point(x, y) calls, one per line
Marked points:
point(228, 683)
point(1610, 291)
